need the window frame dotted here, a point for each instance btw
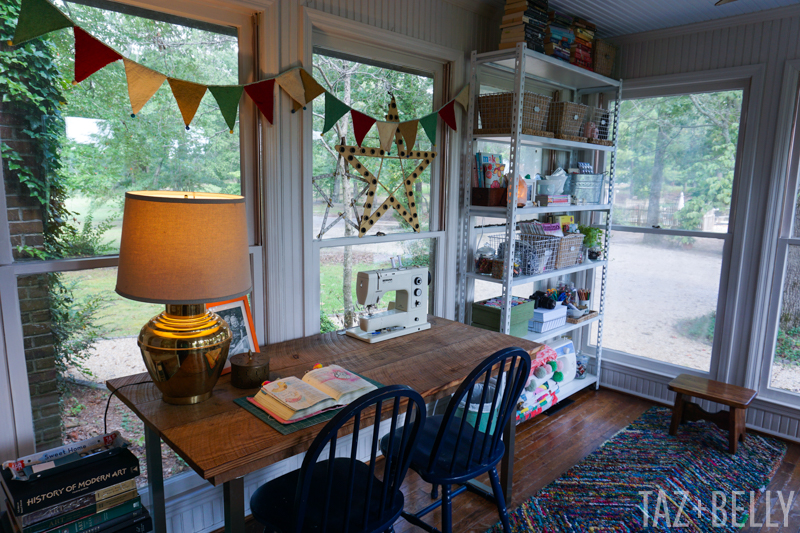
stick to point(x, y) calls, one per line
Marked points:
point(780, 217)
point(725, 357)
point(325, 32)
point(14, 375)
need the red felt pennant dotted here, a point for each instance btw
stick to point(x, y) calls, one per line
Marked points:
point(448, 114)
point(90, 54)
point(263, 94)
point(361, 125)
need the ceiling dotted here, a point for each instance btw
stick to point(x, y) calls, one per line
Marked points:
point(621, 17)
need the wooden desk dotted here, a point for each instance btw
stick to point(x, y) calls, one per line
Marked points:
point(222, 442)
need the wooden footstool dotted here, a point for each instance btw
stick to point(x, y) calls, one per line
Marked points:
point(737, 398)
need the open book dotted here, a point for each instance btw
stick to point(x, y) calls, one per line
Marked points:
point(291, 399)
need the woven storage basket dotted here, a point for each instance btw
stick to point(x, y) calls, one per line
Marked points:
point(495, 113)
point(603, 121)
point(567, 120)
point(603, 55)
point(569, 248)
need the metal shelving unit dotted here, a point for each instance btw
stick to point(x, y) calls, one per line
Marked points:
point(521, 65)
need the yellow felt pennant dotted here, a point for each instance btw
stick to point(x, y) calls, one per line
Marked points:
point(292, 83)
point(409, 132)
point(312, 88)
point(386, 132)
point(188, 95)
point(142, 83)
point(463, 97)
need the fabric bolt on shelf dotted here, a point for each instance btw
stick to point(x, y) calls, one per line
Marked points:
point(644, 457)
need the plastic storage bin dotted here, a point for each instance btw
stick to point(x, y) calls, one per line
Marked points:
point(545, 320)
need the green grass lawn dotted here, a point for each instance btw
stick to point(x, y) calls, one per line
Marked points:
point(119, 317)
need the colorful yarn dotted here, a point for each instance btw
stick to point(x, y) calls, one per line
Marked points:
point(601, 493)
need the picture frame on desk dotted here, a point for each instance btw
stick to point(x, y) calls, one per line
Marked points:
point(237, 314)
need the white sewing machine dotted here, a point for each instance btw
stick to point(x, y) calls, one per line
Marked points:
point(407, 314)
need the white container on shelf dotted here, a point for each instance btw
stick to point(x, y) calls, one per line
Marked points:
point(548, 319)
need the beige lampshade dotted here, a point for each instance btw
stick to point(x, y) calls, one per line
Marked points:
point(183, 248)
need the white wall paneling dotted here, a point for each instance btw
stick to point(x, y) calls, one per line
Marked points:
point(761, 43)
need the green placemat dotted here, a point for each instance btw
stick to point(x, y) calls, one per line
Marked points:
point(285, 429)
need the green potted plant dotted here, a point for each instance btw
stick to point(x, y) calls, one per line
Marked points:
point(592, 241)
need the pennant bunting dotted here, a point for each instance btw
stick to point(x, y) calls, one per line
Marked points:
point(313, 89)
point(409, 132)
point(91, 55)
point(448, 114)
point(428, 123)
point(142, 84)
point(292, 83)
point(334, 110)
point(263, 94)
point(361, 125)
point(188, 95)
point(36, 18)
point(386, 131)
point(463, 97)
point(227, 97)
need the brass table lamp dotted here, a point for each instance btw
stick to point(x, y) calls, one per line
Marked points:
point(184, 250)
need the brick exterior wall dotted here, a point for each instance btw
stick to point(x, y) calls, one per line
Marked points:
point(25, 220)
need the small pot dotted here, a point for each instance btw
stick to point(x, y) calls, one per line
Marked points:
point(595, 254)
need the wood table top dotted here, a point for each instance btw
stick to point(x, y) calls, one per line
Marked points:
point(221, 441)
point(716, 391)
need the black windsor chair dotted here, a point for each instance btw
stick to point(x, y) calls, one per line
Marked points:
point(453, 450)
point(343, 494)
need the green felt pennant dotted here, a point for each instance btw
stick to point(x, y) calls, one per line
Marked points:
point(334, 110)
point(227, 97)
point(428, 123)
point(37, 17)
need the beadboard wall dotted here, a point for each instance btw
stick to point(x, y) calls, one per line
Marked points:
point(770, 39)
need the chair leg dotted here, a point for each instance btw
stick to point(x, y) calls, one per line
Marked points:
point(500, 499)
point(434, 491)
point(447, 510)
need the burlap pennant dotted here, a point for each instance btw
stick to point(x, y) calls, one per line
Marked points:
point(263, 95)
point(36, 18)
point(143, 83)
point(91, 55)
point(334, 110)
point(448, 114)
point(409, 132)
point(428, 123)
point(228, 98)
point(386, 131)
point(361, 125)
point(188, 95)
point(312, 88)
point(292, 83)
point(463, 97)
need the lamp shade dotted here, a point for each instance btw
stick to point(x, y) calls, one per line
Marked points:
point(183, 248)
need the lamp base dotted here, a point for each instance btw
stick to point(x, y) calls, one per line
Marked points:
point(184, 349)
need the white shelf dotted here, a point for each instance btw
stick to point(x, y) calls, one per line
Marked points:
point(549, 69)
point(522, 280)
point(540, 337)
point(500, 212)
point(576, 385)
point(548, 143)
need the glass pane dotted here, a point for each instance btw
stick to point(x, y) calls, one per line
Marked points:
point(675, 161)
point(662, 297)
point(786, 363)
point(339, 267)
point(100, 151)
point(78, 334)
point(340, 192)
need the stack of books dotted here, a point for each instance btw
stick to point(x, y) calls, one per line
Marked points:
point(555, 199)
point(581, 49)
point(524, 21)
point(559, 35)
point(87, 486)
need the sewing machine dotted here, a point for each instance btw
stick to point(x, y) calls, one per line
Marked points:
point(407, 314)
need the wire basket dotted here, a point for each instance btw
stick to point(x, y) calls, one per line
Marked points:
point(536, 254)
point(567, 248)
point(496, 109)
point(603, 55)
point(600, 126)
point(567, 120)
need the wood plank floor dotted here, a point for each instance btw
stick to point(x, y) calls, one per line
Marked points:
point(548, 446)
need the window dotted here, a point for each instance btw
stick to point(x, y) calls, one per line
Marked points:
point(76, 331)
point(672, 207)
point(340, 192)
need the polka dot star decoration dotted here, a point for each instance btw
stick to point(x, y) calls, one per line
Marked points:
point(388, 131)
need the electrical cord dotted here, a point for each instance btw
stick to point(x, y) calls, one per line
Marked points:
point(108, 403)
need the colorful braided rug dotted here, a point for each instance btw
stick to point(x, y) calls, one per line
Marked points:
point(690, 472)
